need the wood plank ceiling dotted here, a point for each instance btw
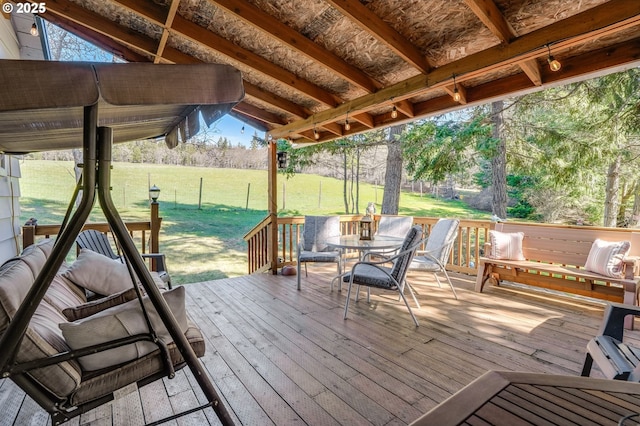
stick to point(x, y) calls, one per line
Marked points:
point(316, 70)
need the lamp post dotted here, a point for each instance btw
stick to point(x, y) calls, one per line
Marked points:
point(154, 193)
point(154, 244)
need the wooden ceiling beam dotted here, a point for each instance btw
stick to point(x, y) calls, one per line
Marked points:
point(462, 93)
point(98, 39)
point(287, 35)
point(203, 36)
point(173, 9)
point(364, 118)
point(383, 32)
point(492, 18)
point(334, 128)
point(256, 123)
point(275, 100)
point(259, 114)
point(532, 70)
point(96, 23)
point(405, 107)
point(96, 35)
point(598, 21)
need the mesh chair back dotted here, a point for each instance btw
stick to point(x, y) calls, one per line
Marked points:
point(395, 226)
point(317, 229)
point(441, 238)
point(402, 263)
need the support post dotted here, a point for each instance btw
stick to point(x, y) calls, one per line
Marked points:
point(154, 243)
point(273, 207)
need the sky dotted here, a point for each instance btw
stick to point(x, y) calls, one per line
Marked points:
point(231, 128)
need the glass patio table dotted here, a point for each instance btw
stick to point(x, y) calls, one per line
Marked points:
point(353, 242)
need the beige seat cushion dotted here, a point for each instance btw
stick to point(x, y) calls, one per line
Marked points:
point(122, 321)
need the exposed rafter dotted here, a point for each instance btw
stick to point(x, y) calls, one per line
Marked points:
point(355, 33)
point(375, 26)
point(579, 28)
point(271, 26)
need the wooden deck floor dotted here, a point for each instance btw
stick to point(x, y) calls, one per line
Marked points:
point(283, 357)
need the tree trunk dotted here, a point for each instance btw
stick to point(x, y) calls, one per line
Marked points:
point(344, 182)
point(393, 175)
point(499, 163)
point(612, 193)
point(634, 222)
point(627, 193)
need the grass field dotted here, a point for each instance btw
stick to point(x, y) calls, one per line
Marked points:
point(202, 234)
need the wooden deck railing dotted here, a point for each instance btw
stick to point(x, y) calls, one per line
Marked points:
point(139, 231)
point(145, 234)
point(257, 245)
point(464, 258)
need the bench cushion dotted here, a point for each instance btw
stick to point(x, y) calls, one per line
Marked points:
point(43, 338)
point(122, 321)
point(606, 258)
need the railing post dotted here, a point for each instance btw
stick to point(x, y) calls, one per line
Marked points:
point(28, 235)
point(154, 244)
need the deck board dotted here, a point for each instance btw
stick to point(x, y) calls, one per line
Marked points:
point(281, 356)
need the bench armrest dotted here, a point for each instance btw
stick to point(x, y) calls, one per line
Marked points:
point(487, 249)
point(631, 267)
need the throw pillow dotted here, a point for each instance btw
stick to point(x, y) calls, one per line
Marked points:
point(605, 258)
point(89, 308)
point(506, 245)
point(122, 321)
point(99, 273)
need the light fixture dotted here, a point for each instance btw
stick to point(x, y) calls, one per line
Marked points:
point(554, 64)
point(394, 112)
point(316, 135)
point(34, 30)
point(242, 130)
point(347, 126)
point(282, 159)
point(456, 92)
point(154, 193)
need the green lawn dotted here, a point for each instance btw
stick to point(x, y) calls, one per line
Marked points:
point(206, 243)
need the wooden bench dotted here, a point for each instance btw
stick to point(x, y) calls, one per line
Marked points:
point(555, 258)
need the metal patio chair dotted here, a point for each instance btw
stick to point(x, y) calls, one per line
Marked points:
point(387, 274)
point(312, 246)
point(437, 250)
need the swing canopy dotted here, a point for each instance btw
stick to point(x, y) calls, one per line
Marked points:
point(41, 107)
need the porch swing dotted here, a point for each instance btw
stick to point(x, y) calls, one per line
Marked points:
point(49, 106)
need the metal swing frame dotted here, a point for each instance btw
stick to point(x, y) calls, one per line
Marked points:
point(97, 150)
